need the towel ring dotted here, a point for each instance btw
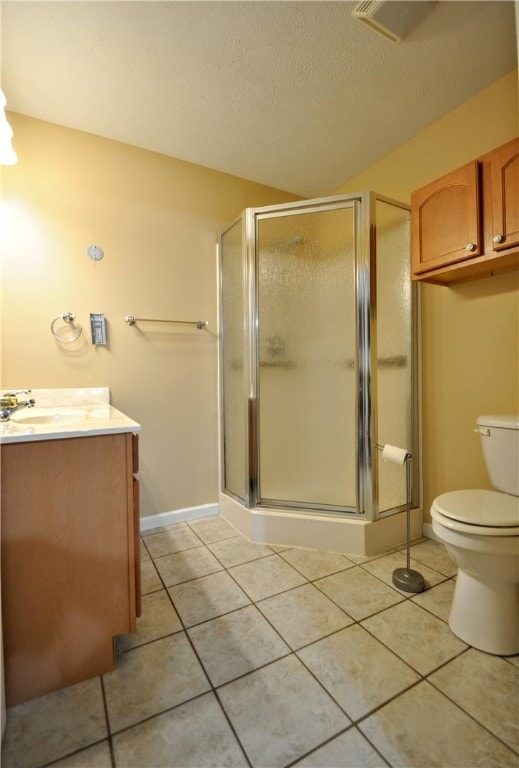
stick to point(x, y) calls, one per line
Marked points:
point(68, 317)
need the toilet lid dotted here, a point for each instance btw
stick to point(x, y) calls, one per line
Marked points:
point(490, 508)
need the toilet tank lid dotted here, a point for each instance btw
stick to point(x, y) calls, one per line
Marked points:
point(493, 420)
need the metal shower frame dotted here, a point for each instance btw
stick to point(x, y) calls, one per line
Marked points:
point(363, 205)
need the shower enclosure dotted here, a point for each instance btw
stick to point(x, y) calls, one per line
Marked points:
point(318, 366)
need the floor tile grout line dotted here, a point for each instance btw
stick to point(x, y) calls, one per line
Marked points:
point(213, 688)
point(223, 566)
point(294, 652)
point(354, 723)
point(403, 596)
point(231, 726)
point(351, 727)
point(199, 521)
point(355, 621)
point(194, 578)
point(179, 551)
point(147, 718)
point(185, 630)
point(228, 613)
point(281, 592)
point(349, 567)
point(108, 728)
point(414, 684)
point(312, 642)
point(371, 711)
point(78, 751)
point(245, 562)
point(333, 573)
point(401, 591)
point(57, 760)
point(425, 678)
point(291, 652)
point(466, 712)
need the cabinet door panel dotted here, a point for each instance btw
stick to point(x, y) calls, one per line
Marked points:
point(505, 196)
point(445, 222)
point(64, 560)
point(137, 546)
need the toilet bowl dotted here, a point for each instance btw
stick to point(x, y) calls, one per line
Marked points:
point(480, 530)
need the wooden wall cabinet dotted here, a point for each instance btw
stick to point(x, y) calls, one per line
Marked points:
point(70, 559)
point(466, 224)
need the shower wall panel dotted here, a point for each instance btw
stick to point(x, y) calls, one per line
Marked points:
point(233, 353)
point(394, 329)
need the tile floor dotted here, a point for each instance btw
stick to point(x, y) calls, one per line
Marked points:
point(249, 655)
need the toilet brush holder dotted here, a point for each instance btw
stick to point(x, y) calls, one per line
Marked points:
point(406, 578)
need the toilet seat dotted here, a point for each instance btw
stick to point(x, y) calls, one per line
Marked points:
point(483, 513)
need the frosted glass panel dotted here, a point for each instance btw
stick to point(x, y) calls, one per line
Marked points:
point(394, 347)
point(233, 367)
point(306, 350)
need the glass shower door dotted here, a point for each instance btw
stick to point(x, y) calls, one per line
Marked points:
point(306, 358)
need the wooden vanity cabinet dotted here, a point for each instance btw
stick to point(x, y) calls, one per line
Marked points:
point(466, 224)
point(70, 559)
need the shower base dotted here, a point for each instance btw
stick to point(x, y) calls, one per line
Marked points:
point(346, 535)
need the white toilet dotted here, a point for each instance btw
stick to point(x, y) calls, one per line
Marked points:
point(481, 532)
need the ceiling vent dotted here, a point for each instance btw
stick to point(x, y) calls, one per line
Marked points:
point(393, 18)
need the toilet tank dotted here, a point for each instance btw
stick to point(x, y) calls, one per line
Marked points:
point(500, 444)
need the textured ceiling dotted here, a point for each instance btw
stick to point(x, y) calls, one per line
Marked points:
point(296, 95)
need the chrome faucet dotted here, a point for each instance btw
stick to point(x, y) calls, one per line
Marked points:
point(9, 403)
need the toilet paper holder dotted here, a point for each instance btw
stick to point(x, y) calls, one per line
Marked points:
point(393, 453)
point(406, 578)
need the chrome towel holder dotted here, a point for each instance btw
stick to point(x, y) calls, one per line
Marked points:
point(67, 317)
point(200, 324)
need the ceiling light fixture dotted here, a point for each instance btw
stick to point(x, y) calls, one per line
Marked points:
point(7, 154)
point(393, 18)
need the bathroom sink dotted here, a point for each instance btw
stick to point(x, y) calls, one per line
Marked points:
point(58, 415)
point(64, 413)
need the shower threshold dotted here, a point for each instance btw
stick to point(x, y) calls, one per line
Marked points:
point(347, 535)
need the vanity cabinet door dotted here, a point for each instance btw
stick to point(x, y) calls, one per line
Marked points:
point(137, 547)
point(136, 526)
point(68, 562)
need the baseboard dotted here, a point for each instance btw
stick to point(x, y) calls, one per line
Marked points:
point(208, 510)
point(428, 532)
point(178, 516)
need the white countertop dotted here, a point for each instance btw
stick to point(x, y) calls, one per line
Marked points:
point(65, 413)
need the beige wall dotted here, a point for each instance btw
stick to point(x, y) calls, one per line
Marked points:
point(157, 220)
point(470, 333)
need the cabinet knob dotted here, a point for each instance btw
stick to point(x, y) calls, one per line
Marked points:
point(498, 238)
point(470, 247)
